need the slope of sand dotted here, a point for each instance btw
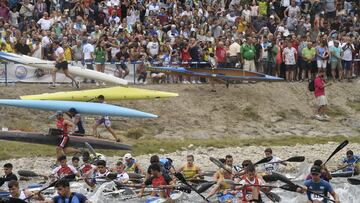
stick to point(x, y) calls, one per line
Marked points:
point(255, 110)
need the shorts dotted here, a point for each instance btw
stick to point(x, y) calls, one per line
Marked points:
point(321, 100)
point(346, 65)
point(336, 65)
point(331, 14)
point(62, 65)
point(63, 142)
point(157, 75)
point(290, 67)
point(122, 66)
point(321, 63)
point(249, 65)
point(104, 120)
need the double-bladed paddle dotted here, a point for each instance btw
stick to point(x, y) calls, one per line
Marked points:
point(338, 148)
point(182, 179)
point(291, 159)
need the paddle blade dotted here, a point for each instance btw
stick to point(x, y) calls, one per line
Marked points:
point(219, 164)
point(353, 181)
point(184, 188)
point(180, 177)
point(197, 181)
point(264, 160)
point(291, 188)
point(135, 176)
point(272, 196)
point(205, 186)
point(340, 147)
point(296, 159)
point(282, 178)
point(112, 176)
point(270, 178)
point(26, 173)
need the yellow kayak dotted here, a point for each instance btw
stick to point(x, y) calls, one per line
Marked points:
point(110, 94)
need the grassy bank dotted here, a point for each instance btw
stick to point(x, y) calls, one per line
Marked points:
point(151, 146)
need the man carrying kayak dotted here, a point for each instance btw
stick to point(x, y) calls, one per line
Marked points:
point(65, 194)
point(131, 166)
point(351, 162)
point(318, 185)
point(9, 176)
point(103, 120)
point(15, 192)
point(64, 169)
point(77, 120)
point(64, 126)
point(158, 180)
point(190, 170)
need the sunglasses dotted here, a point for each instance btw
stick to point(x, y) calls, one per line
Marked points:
point(315, 174)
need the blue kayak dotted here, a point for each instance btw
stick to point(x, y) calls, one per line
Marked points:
point(82, 107)
point(4, 194)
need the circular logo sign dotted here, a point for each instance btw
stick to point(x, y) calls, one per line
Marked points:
point(20, 72)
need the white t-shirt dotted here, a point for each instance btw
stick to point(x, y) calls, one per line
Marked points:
point(153, 48)
point(59, 51)
point(45, 24)
point(22, 195)
point(38, 52)
point(88, 49)
point(289, 55)
point(154, 7)
point(122, 177)
point(271, 166)
point(45, 41)
point(347, 52)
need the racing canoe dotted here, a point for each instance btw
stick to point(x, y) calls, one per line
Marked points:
point(75, 141)
point(111, 94)
point(81, 107)
point(219, 73)
point(342, 174)
point(75, 70)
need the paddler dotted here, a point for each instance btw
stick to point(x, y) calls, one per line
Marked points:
point(122, 176)
point(86, 167)
point(15, 192)
point(251, 193)
point(64, 139)
point(325, 173)
point(9, 175)
point(131, 166)
point(99, 175)
point(61, 64)
point(191, 170)
point(64, 169)
point(158, 180)
point(273, 165)
point(319, 186)
point(103, 120)
point(65, 194)
point(351, 162)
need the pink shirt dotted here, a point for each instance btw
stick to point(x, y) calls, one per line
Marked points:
point(319, 87)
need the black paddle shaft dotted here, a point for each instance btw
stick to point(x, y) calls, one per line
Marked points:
point(180, 177)
point(340, 147)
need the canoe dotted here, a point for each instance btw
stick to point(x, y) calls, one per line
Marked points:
point(81, 107)
point(343, 174)
point(75, 70)
point(219, 73)
point(75, 141)
point(176, 195)
point(111, 94)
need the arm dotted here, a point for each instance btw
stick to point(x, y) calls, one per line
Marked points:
point(335, 196)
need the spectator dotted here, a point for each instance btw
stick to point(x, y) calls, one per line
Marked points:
point(335, 61)
point(322, 54)
point(22, 48)
point(88, 55)
point(247, 55)
point(289, 58)
point(45, 22)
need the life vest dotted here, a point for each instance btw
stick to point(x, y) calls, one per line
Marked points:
point(131, 167)
point(189, 172)
point(160, 181)
point(63, 171)
point(85, 168)
point(247, 191)
point(60, 124)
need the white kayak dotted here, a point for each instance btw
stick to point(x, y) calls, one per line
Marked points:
point(75, 70)
point(174, 196)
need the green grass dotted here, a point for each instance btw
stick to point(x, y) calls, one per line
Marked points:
point(152, 146)
point(354, 105)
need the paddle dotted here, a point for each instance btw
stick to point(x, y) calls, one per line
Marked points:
point(91, 149)
point(51, 185)
point(293, 187)
point(354, 181)
point(205, 186)
point(182, 179)
point(291, 159)
point(340, 147)
point(219, 164)
point(27, 173)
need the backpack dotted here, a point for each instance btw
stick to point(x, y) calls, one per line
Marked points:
point(312, 85)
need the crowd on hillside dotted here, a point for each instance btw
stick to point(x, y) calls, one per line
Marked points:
point(287, 38)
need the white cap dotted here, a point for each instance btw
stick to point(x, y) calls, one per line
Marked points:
point(127, 156)
point(272, 16)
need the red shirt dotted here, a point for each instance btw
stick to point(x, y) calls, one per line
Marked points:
point(319, 87)
point(60, 124)
point(220, 54)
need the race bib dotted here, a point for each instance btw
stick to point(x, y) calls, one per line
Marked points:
point(316, 197)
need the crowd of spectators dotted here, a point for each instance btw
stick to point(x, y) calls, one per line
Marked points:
point(287, 38)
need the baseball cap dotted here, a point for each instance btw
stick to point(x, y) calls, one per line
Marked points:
point(127, 156)
point(58, 113)
point(315, 169)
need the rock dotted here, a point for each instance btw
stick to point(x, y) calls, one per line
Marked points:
point(162, 150)
point(190, 146)
point(200, 134)
point(275, 119)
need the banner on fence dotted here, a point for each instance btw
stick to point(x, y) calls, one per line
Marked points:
point(23, 73)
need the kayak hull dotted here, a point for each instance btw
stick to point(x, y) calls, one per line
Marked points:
point(81, 107)
point(75, 141)
point(111, 94)
point(75, 70)
point(342, 174)
point(219, 73)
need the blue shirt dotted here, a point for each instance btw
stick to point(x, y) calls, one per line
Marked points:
point(352, 161)
point(75, 198)
point(335, 51)
point(323, 187)
point(321, 51)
